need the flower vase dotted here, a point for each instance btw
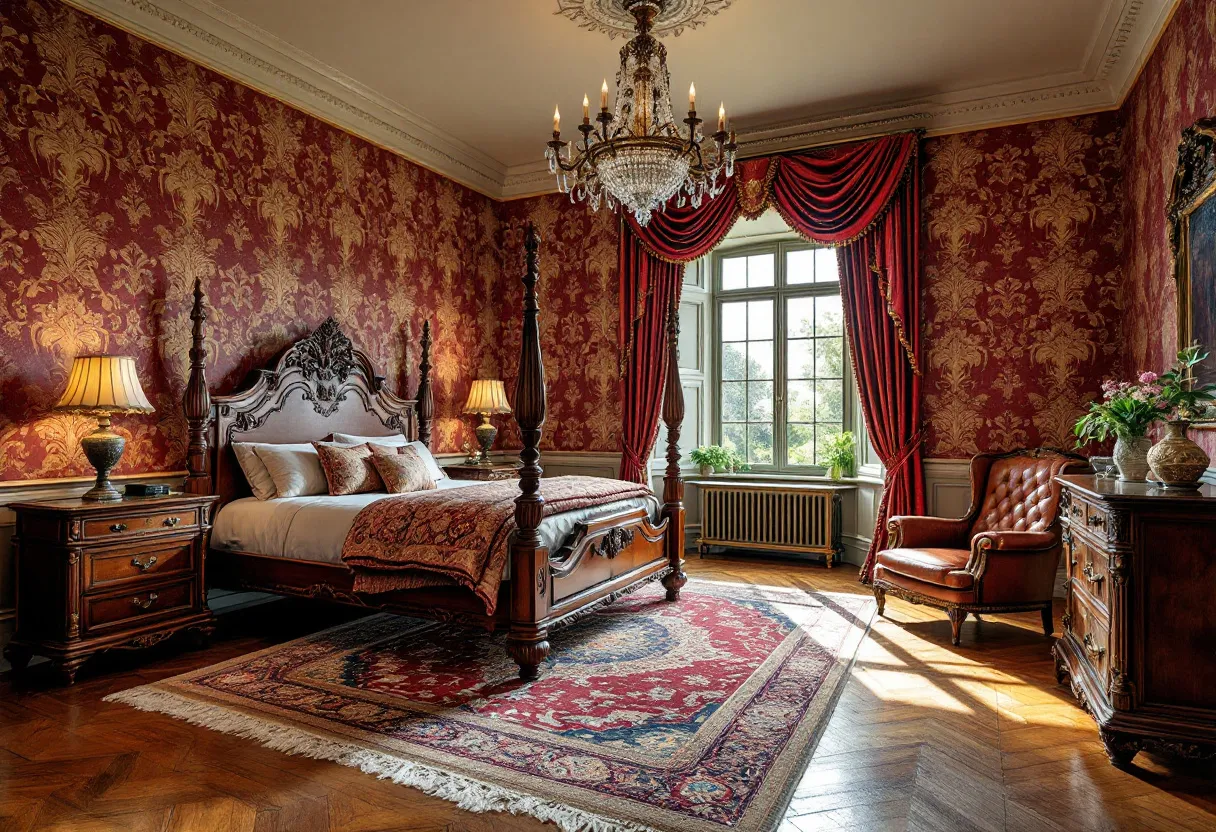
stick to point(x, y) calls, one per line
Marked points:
point(1131, 458)
point(705, 470)
point(1177, 462)
point(835, 472)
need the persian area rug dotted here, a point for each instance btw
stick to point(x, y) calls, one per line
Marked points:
point(694, 716)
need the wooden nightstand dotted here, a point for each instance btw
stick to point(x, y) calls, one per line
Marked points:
point(103, 576)
point(497, 471)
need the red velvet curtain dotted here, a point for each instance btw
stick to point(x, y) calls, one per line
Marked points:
point(652, 268)
point(863, 198)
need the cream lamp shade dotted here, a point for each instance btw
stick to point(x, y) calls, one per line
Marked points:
point(104, 384)
point(487, 396)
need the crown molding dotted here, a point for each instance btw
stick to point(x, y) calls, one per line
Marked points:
point(214, 37)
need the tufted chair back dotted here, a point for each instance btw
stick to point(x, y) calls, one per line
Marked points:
point(1020, 493)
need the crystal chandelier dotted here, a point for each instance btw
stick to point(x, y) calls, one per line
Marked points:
point(637, 156)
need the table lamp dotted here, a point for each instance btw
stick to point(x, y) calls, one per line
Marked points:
point(101, 385)
point(487, 398)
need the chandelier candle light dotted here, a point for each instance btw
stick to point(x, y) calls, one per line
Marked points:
point(637, 155)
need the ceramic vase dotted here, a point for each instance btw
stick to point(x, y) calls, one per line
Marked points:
point(1131, 458)
point(704, 469)
point(1177, 462)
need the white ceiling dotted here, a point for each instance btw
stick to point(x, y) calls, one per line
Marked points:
point(468, 86)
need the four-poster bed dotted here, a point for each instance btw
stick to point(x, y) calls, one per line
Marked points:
point(323, 385)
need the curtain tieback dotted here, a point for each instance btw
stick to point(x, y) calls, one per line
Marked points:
point(631, 457)
point(901, 457)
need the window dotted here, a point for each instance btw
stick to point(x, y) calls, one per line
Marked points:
point(781, 355)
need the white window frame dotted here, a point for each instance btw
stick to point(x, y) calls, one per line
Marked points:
point(779, 293)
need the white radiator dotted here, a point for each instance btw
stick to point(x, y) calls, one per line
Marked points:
point(781, 517)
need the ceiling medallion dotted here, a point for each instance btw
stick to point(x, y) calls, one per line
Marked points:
point(638, 156)
point(612, 18)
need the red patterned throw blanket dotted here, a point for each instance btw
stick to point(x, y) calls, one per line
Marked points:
point(457, 536)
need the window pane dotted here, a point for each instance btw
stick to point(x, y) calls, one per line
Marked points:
point(829, 357)
point(801, 444)
point(760, 271)
point(800, 401)
point(760, 359)
point(734, 361)
point(825, 265)
point(734, 321)
point(800, 317)
point(800, 266)
point(734, 273)
point(734, 401)
point(829, 401)
point(822, 433)
point(829, 316)
point(800, 358)
point(759, 401)
point(760, 444)
point(760, 320)
point(734, 437)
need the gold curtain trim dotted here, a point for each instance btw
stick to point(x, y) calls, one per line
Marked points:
point(884, 286)
point(766, 189)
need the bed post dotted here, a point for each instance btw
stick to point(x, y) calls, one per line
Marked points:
point(673, 485)
point(527, 641)
point(197, 402)
point(424, 405)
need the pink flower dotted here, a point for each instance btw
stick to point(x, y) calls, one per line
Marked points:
point(1148, 377)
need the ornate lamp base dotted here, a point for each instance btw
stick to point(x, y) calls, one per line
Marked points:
point(486, 432)
point(103, 450)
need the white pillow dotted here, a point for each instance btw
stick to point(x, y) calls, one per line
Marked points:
point(295, 469)
point(395, 441)
point(256, 473)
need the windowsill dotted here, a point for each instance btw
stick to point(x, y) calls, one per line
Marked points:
point(818, 479)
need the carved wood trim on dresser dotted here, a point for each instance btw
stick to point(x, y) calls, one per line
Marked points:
point(1139, 628)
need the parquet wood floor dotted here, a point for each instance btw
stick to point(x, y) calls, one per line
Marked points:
point(925, 737)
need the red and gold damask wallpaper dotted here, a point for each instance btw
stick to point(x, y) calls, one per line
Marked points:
point(126, 172)
point(1022, 267)
point(1176, 88)
point(579, 294)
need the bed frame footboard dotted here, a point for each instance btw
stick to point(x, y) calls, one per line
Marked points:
point(612, 554)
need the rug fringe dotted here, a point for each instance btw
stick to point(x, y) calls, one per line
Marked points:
point(467, 793)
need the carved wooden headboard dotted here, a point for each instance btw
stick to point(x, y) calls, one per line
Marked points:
point(321, 384)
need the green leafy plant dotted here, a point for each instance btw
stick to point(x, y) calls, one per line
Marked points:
point(714, 456)
point(1185, 399)
point(1129, 408)
point(737, 462)
point(839, 454)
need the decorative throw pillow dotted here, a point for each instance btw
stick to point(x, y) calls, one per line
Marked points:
point(295, 468)
point(404, 471)
point(396, 441)
point(349, 469)
point(256, 473)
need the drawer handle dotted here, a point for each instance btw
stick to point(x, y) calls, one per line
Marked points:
point(144, 566)
point(1091, 648)
point(1092, 576)
point(118, 527)
point(143, 605)
point(172, 521)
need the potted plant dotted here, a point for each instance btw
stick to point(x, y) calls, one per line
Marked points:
point(1126, 411)
point(737, 463)
point(1176, 461)
point(711, 459)
point(839, 454)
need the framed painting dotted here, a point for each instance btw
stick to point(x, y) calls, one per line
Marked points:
point(1192, 222)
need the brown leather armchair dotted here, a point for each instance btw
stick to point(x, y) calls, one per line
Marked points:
point(1001, 557)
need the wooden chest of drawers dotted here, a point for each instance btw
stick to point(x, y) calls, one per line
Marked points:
point(1139, 628)
point(102, 576)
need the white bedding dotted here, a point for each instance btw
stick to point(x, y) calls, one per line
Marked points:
point(314, 528)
